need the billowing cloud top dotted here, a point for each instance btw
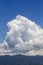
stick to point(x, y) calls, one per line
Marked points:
point(24, 37)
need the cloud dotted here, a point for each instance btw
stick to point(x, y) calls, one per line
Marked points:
point(24, 37)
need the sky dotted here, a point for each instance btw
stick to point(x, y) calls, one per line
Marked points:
point(33, 9)
point(9, 9)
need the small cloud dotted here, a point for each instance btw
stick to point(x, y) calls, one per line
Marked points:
point(24, 37)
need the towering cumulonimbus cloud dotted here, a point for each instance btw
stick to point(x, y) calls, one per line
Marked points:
point(24, 37)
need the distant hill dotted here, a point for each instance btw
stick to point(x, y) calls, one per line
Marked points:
point(21, 60)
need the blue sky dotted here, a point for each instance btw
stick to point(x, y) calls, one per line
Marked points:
point(33, 9)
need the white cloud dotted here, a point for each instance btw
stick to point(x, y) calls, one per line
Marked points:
point(24, 37)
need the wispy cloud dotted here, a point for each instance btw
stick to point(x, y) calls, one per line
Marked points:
point(24, 37)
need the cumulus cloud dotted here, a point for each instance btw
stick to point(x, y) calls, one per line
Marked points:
point(24, 37)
